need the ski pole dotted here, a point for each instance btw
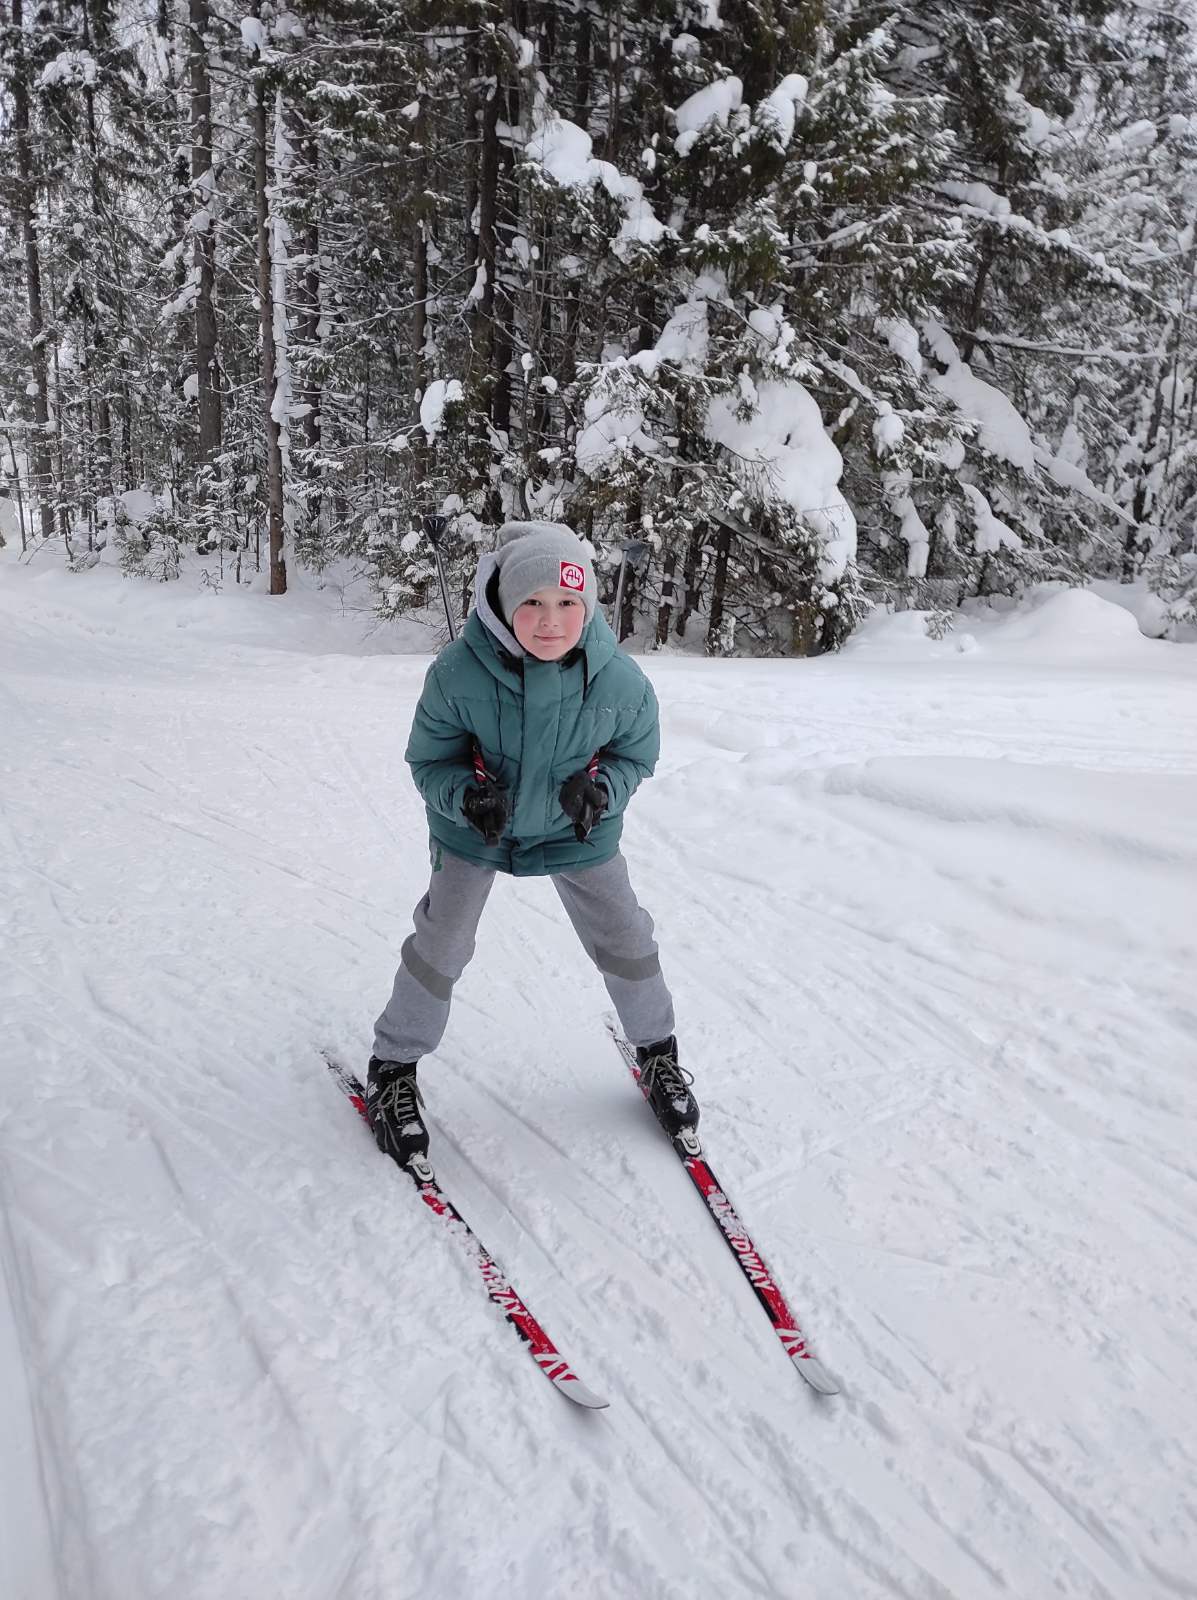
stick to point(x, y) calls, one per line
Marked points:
point(434, 527)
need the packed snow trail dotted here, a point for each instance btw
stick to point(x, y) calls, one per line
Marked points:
point(927, 912)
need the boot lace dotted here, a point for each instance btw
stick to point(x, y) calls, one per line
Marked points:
point(399, 1101)
point(675, 1081)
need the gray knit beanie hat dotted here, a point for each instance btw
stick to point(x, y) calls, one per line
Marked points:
point(542, 555)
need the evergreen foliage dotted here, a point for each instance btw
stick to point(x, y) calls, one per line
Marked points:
point(818, 304)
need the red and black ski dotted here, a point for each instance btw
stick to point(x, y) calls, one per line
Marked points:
point(537, 1342)
point(739, 1242)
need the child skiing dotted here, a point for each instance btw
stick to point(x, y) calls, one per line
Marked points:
point(531, 735)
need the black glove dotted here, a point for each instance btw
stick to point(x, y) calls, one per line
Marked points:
point(484, 806)
point(583, 801)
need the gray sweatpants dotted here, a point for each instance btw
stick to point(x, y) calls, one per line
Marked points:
point(615, 930)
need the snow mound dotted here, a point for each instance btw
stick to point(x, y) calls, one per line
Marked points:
point(1052, 625)
point(903, 636)
point(1079, 871)
point(331, 613)
point(1134, 814)
point(1072, 624)
point(1149, 610)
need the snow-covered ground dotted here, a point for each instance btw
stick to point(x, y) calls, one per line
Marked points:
point(929, 912)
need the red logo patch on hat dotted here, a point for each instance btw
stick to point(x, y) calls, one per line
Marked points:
point(572, 576)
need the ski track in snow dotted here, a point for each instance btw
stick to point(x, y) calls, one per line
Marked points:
point(929, 923)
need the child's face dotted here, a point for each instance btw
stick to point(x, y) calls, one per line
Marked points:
point(549, 623)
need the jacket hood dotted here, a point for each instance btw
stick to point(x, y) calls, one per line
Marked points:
point(486, 605)
point(493, 642)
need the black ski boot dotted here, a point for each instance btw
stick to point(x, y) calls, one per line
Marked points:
point(393, 1105)
point(667, 1086)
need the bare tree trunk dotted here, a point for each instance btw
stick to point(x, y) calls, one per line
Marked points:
point(88, 462)
point(583, 39)
point(543, 278)
point(665, 609)
point(511, 222)
point(419, 315)
point(42, 482)
point(305, 364)
point(313, 396)
point(487, 205)
point(615, 57)
point(420, 282)
point(690, 578)
point(1141, 504)
point(625, 622)
point(270, 419)
point(14, 478)
point(714, 645)
point(480, 128)
point(59, 452)
point(483, 335)
point(988, 255)
point(503, 336)
point(98, 448)
point(1180, 324)
point(203, 188)
point(421, 452)
point(473, 106)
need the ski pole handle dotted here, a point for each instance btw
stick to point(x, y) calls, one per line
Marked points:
point(480, 773)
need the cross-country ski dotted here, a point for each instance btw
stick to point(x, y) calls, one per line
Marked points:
point(537, 1342)
point(739, 1241)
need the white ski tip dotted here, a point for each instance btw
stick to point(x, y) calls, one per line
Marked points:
point(816, 1375)
point(574, 1389)
point(566, 1381)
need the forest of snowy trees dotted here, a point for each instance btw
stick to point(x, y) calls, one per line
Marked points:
point(823, 304)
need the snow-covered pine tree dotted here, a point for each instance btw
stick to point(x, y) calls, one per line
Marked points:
point(26, 366)
point(1141, 217)
point(1027, 349)
point(202, 219)
point(754, 287)
point(701, 428)
point(87, 107)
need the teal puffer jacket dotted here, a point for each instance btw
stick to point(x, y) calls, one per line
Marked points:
point(537, 723)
